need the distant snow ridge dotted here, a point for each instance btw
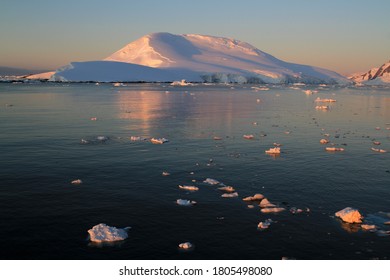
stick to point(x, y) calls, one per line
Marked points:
point(374, 76)
point(165, 57)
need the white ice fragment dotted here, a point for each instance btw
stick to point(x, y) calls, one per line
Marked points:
point(379, 150)
point(186, 245)
point(166, 173)
point(211, 181)
point(185, 202)
point(349, 215)
point(76, 182)
point(102, 138)
point(324, 141)
point(188, 188)
point(105, 233)
point(328, 100)
point(265, 224)
point(248, 136)
point(94, 119)
point(137, 138)
point(234, 194)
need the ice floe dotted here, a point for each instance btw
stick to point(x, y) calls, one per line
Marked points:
point(185, 202)
point(76, 182)
point(159, 140)
point(368, 227)
point(273, 151)
point(350, 215)
point(212, 181)
point(324, 141)
point(165, 173)
point(137, 138)
point(188, 188)
point(227, 189)
point(265, 224)
point(248, 136)
point(105, 233)
point(273, 210)
point(234, 194)
point(322, 107)
point(265, 203)
point(379, 150)
point(327, 100)
point(186, 246)
point(334, 149)
point(256, 197)
point(102, 138)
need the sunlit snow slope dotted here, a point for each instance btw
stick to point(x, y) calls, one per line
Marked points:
point(197, 58)
point(375, 76)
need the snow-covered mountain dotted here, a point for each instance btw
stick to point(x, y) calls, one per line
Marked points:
point(197, 58)
point(375, 76)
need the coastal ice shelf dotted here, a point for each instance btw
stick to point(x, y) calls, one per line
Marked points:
point(165, 57)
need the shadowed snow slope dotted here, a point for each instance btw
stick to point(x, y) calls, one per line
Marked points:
point(168, 57)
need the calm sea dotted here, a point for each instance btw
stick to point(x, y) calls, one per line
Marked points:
point(44, 216)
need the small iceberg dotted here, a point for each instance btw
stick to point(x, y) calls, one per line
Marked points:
point(376, 142)
point(180, 83)
point(277, 144)
point(378, 150)
point(188, 188)
point(137, 138)
point(159, 140)
point(186, 246)
point(234, 194)
point(164, 173)
point(76, 182)
point(94, 119)
point(102, 138)
point(273, 151)
point(350, 215)
point(334, 149)
point(256, 197)
point(272, 210)
point(324, 141)
point(211, 181)
point(265, 203)
point(248, 136)
point(185, 202)
point(228, 189)
point(105, 233)
point(265, 224)
point(368, 227)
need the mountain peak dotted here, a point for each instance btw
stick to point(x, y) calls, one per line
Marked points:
point(374, 76)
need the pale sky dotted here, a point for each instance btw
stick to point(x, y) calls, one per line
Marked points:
point(343, 36)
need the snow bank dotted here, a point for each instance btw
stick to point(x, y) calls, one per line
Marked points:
point(105, 233)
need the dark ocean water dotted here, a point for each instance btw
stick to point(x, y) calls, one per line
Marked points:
point(44, 216)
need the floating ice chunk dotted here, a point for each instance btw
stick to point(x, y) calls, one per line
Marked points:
point(105, 233)
point(102, 138)
point(324, 100)
point(277, 144)
point(256, 197)
point(368, 227)
point(294, 210)
point(265, 224)
point(118, 84)
point(308, 92)
point(379, 150)
point(248, 136)
point(94, 119)
point(227, 189)
point(185, 202)
point(166, 173)
point(273, 151)
point(76, 182)
point(186, 245)
point(272, 210)
point(137, 138)
point(334, 149)
point(83, 141)
point(189, 188)
point(217, 138)
point(324, 141)
point(234, 194)
point(265, 203)
point(349, 215)
point(159, 140)
point(376, 142)
point(322, 107)
point(212, 181)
